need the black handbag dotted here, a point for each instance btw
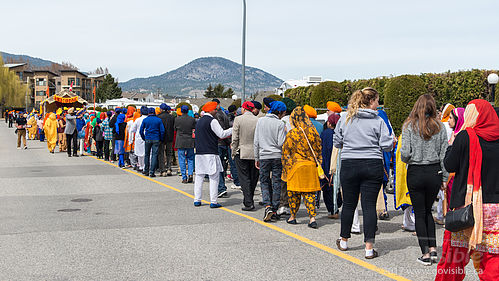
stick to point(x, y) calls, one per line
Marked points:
point(460, 219)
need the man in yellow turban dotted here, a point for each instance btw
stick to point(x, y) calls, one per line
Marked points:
point(312, 114)
point(333, 107)
point(50, 129)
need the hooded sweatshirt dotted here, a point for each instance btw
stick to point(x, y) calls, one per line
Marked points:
point(363, 137)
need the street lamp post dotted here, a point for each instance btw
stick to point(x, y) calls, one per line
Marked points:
point(493, 78)
point(244, 53)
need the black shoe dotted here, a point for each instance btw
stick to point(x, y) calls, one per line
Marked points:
point(260, 203)
point(313, 225)
point(145, 172)
point(248, 209)
point(374, 255)
point(223, 194)
point(152, 175)
point(69, 155)
point(184, 181)
point(292, 221)
point(190, 180)
point(268, 214)
point(275, 217)
point(434, 256)
point(75, 155)
point(424, 261)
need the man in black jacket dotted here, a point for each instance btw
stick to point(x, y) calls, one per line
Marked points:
point(165, 151)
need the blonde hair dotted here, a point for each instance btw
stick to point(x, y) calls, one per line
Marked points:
point(360, 99)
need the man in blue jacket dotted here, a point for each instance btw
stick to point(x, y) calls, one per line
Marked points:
point(152, 132)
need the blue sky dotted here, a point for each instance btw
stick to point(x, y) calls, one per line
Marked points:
point(288, 38)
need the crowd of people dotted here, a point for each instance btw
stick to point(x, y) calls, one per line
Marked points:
point(447, 156)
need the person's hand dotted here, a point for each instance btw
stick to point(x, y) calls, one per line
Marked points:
point(444, 186)
point(257, 164)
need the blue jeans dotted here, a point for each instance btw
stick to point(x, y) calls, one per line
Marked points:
point(271, 188)
point(186, 154)
point(151, 163)
point(225, 153)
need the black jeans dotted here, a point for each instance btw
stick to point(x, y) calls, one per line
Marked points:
point(363, 176)
point(106, 149)
point(271, 187)
point(113, 156)
point(248, 177)
point(165, 156)
point(423, 182)
point(99, 145)
point(72, 139)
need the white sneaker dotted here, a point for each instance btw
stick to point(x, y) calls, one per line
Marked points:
point(281, 210)
point(19, 148)
point(287, 211)
point(233, 186)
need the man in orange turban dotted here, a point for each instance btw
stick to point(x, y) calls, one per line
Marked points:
point(207, 161)
point(333, 107)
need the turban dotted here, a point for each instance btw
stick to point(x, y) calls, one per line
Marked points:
point(216, 100)
point(267, 101)
point(446, 112)
point(71, 110)
point(117, 110)
point(290, 104)
point(190, 113)
point(277, 106)
point(179, 112)
point(184, 109)
point(157, 110)
point(102, 115)
point(257, 105)
point(232, 108)
point(109, 113)
point(334, 106)
point(130, 111)
point(151, 111)
point(310, 111)
point(144, 110)
point(210, 106)
point(99, 121)
point(165, 107)
point(333, 119)
point(248, 105)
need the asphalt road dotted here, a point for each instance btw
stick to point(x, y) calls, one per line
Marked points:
point(83, 219)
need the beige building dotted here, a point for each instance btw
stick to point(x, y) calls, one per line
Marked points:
point(83, 84)
point(43, 79)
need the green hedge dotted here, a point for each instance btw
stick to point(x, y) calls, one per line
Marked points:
point(401, 93)
point(327, 91)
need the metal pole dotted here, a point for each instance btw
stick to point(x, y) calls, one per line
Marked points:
point(243, 97)
point(493, 93)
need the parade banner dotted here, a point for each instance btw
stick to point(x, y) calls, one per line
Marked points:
point(65, 100)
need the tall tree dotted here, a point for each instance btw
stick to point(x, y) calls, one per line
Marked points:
point(219, 90)
point(12, 91)
point(228, 93)
point(108, 89)
point(209, 93)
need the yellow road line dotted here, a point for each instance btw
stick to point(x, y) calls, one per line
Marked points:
point(281, 230)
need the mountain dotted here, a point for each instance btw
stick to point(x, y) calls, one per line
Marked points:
point(36, 63)
point(194, 77)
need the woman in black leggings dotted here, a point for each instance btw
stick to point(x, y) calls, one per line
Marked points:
point(424, 142)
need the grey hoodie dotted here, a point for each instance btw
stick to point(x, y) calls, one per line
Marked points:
point(363, 137)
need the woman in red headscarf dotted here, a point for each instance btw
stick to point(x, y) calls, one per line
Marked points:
point(473, 156)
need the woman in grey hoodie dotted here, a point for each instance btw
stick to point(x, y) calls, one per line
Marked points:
point(424, 142)
point(362, 135)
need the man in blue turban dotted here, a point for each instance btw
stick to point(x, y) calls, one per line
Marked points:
point(165, 150)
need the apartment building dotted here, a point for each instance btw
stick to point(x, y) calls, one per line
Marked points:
point(43, 79)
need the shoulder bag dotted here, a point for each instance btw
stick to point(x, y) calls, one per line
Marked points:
point(320, 171)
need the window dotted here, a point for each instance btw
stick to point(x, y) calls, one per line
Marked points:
point(41, 82)
point(77, 81)
point(20, 76)
point(58, 83)
point(40, 93)
point(71, 80)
